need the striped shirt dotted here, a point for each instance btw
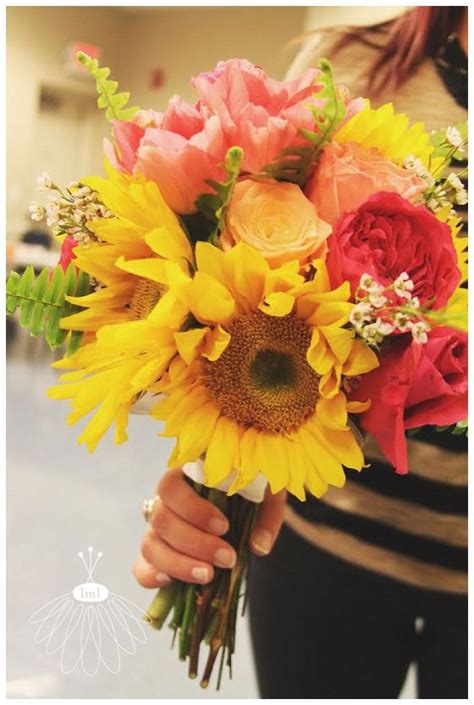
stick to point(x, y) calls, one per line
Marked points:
point(411, 528)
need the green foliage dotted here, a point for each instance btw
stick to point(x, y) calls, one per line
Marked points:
point(213, 205)
point(458, 429)
point(113, 102)
point(41, 302)
point(443, 148)
point(295, 163)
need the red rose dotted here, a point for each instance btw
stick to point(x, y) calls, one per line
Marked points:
point(67, 254)
point(415, 385)
point(386, 236)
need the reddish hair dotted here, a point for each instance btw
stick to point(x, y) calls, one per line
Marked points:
point(415, 35)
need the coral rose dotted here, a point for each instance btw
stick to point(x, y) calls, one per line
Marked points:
point(258, 113)
point(347, 174)
point(386, 236)
point(179, 149)
point(277, 220)
point(415, 385)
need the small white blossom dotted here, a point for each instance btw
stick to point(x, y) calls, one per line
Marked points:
point(383, 327)
point(368, 284)
point(82, 192)
point(52, 213)
point(410, 162)
point(77, 216)
point(453, 137)
point(433, 205)
point(461, 197)
point(403, 285)
point(44, 182)
point(371, 334)
point(415, 302)
point(377, 300)
point(455, 182)
point(360, 314)
point(418, 331)
point(37, 212)
point(402, 322)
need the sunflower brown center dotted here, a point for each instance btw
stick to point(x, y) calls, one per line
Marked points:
point(262, 379)
point(145, 297)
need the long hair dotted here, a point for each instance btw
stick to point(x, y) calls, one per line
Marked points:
point(415, 35)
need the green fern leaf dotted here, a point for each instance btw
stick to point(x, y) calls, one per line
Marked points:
point(113, 103)
point(42, 303)
point(295, 164)
point(213, 205)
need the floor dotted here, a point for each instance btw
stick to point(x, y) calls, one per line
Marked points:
point(61, 501)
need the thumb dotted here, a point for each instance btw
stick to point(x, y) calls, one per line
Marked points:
point(268, 523)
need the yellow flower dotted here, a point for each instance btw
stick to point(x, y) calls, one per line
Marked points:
point(389, 133)
point(257, 386)
point(129, 260)
point(109, 373)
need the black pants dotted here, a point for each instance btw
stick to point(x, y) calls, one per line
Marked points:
point(322, 628)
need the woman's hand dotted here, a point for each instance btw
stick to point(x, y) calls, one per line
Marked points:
point(184, 541)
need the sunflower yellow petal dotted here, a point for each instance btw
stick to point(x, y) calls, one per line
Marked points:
point(360, 360)
point(221, 452)
point(279, 303)
point(188, 343)
point(332, 413)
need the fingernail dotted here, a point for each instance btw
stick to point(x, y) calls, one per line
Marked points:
point(163, 577)
point(262, 541)
point(217, 525)
point(224, 558)
point(200, 574)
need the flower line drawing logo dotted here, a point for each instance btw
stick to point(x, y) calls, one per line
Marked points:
point(89, 627)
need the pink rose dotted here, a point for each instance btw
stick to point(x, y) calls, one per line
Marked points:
point(386, 236)
point(415, 385)
point(179, 149)
point(348, 174)
point(258, 113)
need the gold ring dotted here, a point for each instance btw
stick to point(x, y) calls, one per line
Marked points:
point(147, 508)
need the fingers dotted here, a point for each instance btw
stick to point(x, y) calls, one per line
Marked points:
point(168, 560)
point(147, 575)
point(175, 492)
point(268, 522)
point(185, 538)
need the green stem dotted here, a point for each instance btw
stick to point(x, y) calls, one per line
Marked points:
point(161, 606)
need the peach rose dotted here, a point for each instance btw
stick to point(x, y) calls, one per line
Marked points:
point(277, 220)
point(348, 174)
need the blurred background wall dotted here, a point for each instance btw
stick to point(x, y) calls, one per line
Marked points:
point(52, 122)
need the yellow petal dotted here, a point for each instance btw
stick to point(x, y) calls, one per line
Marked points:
point(277, 304)
point(361, 360)
point(209, 301)
point(215, 343)
point(170, 245)
point(358, 407)
point(340, 341)
point(188, 343)
point(152, 268)
point(221, 452)
point(195, 437)
point(332, 413)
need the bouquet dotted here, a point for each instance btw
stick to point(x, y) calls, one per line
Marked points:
point(277, 270)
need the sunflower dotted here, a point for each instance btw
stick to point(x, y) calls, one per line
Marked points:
point(128, 257)
point(110, 373)
point(390, 133)
point(257, 385)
